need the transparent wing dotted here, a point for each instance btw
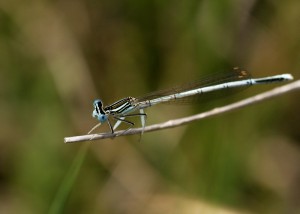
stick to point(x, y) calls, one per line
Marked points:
point(218, 78)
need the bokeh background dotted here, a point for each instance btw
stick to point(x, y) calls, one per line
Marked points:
point(56, 57)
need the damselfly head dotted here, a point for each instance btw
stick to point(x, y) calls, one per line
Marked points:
point(98, 112)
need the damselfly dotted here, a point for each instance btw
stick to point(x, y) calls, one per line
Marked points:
point(130, 106)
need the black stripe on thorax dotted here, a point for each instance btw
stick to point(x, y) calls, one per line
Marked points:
point(119, 106)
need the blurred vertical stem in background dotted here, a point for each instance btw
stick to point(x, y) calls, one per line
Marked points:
point(65, 188)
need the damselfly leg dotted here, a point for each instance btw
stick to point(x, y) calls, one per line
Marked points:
point(122, 119)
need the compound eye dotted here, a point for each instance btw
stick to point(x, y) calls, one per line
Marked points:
point(102, 118)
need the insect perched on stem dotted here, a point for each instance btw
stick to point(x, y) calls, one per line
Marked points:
point(130, 106)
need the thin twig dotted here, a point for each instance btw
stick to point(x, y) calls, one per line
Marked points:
point(181, 121)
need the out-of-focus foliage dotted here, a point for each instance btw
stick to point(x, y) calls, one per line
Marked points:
point(57, 56)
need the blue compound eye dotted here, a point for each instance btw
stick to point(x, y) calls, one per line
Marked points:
point(102, 118)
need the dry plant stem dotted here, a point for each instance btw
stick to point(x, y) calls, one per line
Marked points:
point(181, 121)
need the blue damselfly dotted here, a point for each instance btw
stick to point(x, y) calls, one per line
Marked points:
point(130, 106)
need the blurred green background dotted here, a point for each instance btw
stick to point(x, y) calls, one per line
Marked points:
point(56, 57)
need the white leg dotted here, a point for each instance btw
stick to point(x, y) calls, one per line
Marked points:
point(118, 123)
point(143, 119)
